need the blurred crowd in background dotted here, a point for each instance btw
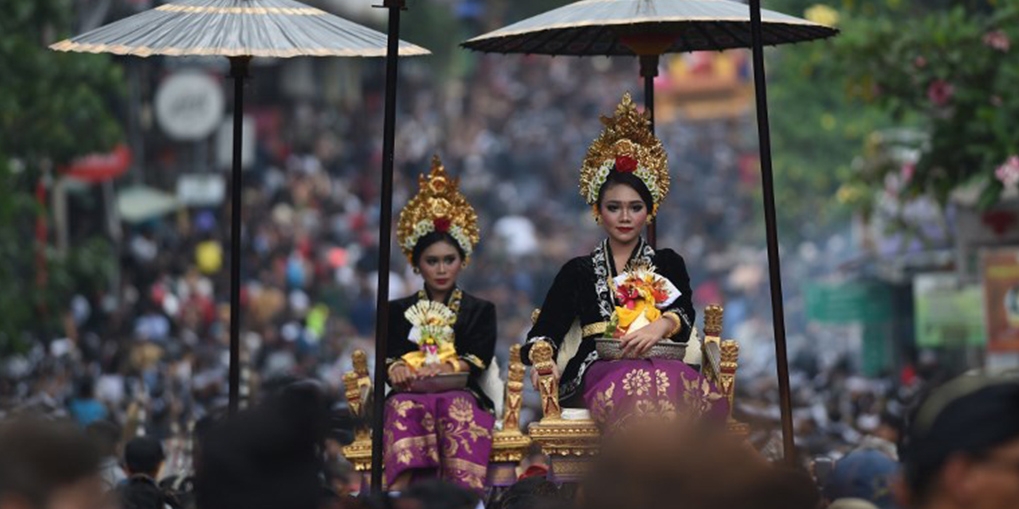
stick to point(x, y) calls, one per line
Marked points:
point(151, 348)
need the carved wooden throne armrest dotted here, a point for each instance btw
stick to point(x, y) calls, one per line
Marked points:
point(720, 362)
point(568, 443)
point(509, 444)
point(358, 388)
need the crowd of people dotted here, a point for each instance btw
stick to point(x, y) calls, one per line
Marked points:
point(150, 352)
point(514, 135)
point(959, 447)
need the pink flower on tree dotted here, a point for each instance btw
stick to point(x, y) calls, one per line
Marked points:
point(920, 62)
point(997, 40)
point(940, 92)
point(1008, 173)
point(907, 171)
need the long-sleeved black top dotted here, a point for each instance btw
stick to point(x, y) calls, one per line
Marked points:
point(474, 336)
point(581, 293)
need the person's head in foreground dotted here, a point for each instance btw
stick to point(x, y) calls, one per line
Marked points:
point(962, 446)
point(690, 467)
point(266, 457)
point(144, 456)
point(48, 465)
point(866, 474)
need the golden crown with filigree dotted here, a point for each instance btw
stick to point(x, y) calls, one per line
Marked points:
point(438, 206)
point(626, 144)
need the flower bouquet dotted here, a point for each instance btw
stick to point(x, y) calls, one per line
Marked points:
point(640, 295)
point(432, 330)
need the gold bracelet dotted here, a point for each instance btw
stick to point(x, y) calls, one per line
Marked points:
point(455, 363)
point(679, 322)
point(389, 370)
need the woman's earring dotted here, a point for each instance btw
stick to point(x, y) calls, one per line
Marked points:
point(417, 271)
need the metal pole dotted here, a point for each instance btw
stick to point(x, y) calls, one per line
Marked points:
point(648, 70)
point(239, 72)
point(385, 232)
point(774, 264)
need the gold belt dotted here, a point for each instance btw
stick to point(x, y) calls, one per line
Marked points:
point(593, 329)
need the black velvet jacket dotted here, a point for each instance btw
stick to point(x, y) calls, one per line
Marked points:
point(580, 293)
point(474, 337)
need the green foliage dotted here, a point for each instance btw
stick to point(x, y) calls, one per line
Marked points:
point(53, 107)
point(953, 70)
point(817, 131)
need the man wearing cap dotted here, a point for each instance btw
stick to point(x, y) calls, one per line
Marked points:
point(962, 448)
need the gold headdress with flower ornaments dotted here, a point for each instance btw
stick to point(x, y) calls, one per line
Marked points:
point(626, 144)
point(438, 206)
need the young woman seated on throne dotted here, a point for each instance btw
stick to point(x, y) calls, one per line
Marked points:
point(440, 431)
point(625, 290)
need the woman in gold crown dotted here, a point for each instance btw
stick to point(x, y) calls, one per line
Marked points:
point(438, 331)
point(624, 289)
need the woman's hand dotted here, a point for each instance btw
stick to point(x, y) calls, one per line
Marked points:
point(534, 376)
point(400, 375)
point(640, 341)
point(430, 370)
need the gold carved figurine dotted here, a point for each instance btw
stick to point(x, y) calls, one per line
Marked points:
point(711, 355)
point(509, 445)
point(357, 386)
point(541, 359)
point(729, 364)
point(514, 391)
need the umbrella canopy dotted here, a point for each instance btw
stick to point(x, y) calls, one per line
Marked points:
point(629, 27)
point(240, 30)
point(140, 203)
point(234, 28)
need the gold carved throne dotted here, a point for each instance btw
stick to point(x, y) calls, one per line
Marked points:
point(570, 438)
point(509, 444)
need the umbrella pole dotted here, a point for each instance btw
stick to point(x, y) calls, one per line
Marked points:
point(385, 232)
point(648, 70)
point(771, 227)
point(239, 72)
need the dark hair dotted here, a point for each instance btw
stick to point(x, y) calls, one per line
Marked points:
point(529, 493)
point(437, 494)
point(105, 435)
point(86, 388)
point(265, 457)
point(143, 455)
point(432, 238)
point(627, 179)
point(37, 457)
point(969, 415)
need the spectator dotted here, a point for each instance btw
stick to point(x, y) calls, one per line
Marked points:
point(962, 449)
point(438, 494)
point(85, 408)
point(143, 457)
point(267, 457)
point(865, 474)
point(48, 465)
point(530, 493)
point(106, 437)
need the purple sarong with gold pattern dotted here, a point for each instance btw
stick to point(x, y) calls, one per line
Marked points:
point(445, 434)
point(615, 391)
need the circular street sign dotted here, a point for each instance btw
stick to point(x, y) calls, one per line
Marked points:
point(189, 105)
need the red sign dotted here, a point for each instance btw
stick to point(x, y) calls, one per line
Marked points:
point(100, 167)
point(1001, 298)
